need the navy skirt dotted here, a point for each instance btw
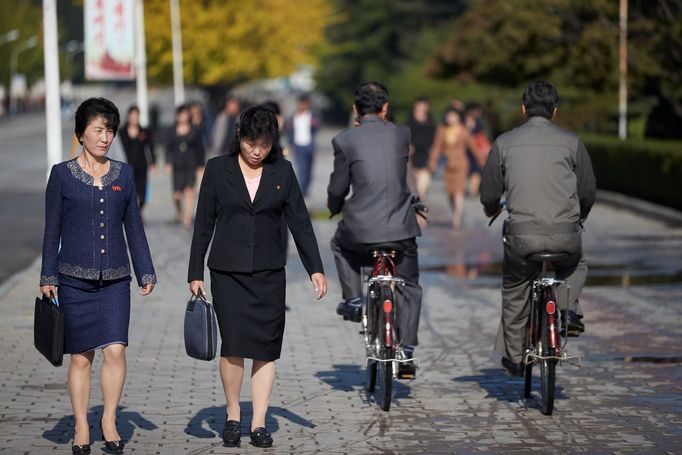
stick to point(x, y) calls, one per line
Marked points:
point(96, 312)
point(250, 312)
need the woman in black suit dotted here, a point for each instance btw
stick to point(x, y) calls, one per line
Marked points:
point(242, 199)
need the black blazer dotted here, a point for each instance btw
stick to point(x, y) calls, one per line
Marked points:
point(247, 237)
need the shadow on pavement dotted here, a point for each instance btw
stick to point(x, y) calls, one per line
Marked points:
point(126, 422)
point(215, 418)
point(503, 387)
point(347, 378)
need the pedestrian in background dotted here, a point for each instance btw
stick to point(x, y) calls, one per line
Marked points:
point(452, 139)
point(200, 128)
point(243, 197)
point(137, 145)
point(422, 131)
point(301, 129)
point(89, 200)
point(473, 118)
point(224, 127)
point(183, 152)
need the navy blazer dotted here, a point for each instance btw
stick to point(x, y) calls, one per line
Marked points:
point(84, 226)
point(247, 237)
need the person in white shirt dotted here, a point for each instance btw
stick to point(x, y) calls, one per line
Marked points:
point(301, 129)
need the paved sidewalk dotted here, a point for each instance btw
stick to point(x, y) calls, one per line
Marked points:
point(627, 397)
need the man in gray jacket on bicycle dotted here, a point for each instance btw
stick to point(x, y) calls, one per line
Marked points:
point(371, 159)
point(550, 188)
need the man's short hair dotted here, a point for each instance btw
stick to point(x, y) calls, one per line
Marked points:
point(540, 98)
point(370, 98)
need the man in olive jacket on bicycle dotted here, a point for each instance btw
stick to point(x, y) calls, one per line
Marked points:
point(550, 188)
point(371, 158)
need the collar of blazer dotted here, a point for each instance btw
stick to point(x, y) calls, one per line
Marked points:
point(236, 179)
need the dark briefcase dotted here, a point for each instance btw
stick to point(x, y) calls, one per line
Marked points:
point(48, 330)
point(201, 329)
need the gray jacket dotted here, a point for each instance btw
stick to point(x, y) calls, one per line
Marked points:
point(372, 160)
point(546, 173)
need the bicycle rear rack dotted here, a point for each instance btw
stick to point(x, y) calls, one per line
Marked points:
point(561, 359)
point(413, 359)
point(386, 279)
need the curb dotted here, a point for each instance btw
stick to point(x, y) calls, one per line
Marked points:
point(18, 276)
point(641, 207)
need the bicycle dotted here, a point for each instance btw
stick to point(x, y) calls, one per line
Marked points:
point(380, 323)
point(547, 331)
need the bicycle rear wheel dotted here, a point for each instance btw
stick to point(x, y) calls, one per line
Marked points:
point(371, 373)
point(528, 380)
point(384, 379)
point(547, 366)
point(547, 382)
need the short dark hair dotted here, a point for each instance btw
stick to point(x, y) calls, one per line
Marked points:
point(92, 108)
point(540, 99)
point(370, 98)
point(258, 122)
point(133, 108)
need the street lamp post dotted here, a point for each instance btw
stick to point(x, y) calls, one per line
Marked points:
point(10, 36)
point(176, 35)
point(14, 56)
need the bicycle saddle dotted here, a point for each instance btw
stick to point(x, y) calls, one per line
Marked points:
point(387, 247)
point(548, 257)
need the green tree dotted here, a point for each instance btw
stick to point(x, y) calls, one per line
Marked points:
point(27, 18)
point(373, 40)
point(574, 44)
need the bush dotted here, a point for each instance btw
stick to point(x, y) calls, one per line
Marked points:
point(646, 169)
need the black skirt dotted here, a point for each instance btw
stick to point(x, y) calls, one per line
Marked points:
point(250, 311)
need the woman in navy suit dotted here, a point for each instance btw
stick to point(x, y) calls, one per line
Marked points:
point(89, 201)
point(242, 200)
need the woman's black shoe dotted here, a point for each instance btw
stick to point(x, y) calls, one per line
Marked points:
point(83, 449)
point(260, 437)
point(113, 447)
point(232, 432)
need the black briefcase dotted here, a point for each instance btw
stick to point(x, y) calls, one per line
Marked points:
point(48, 330)
point(201, 329)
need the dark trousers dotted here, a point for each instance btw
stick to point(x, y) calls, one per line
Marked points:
point(303, 155)
point(517, 276)
point(350, 257)
point(141, 186)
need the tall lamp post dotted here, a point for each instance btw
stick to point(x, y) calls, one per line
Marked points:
point(176, 34)
point(5, 38)
point(10, 36)
point(623, 70)
point(14, 56)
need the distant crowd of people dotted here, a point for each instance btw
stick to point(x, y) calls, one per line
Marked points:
point(191, 140)
point(459, 139)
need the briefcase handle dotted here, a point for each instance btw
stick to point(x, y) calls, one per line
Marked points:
point(54, 299)
point(200, 296)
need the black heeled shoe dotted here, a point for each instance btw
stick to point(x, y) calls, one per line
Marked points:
point(260, 437)
point(81, 449)
point(232, 432)
point(113, 447)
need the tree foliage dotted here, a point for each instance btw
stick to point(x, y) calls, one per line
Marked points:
point(373, 40)
point(226, 41)
point(574, 44)
point(26, 17)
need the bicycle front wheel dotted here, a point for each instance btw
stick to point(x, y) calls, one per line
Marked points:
point(547, 381)
point(385, 379)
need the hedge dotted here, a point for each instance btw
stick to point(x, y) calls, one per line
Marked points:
point(646, 169)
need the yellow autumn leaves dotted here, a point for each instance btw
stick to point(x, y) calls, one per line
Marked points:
point(229, 40)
